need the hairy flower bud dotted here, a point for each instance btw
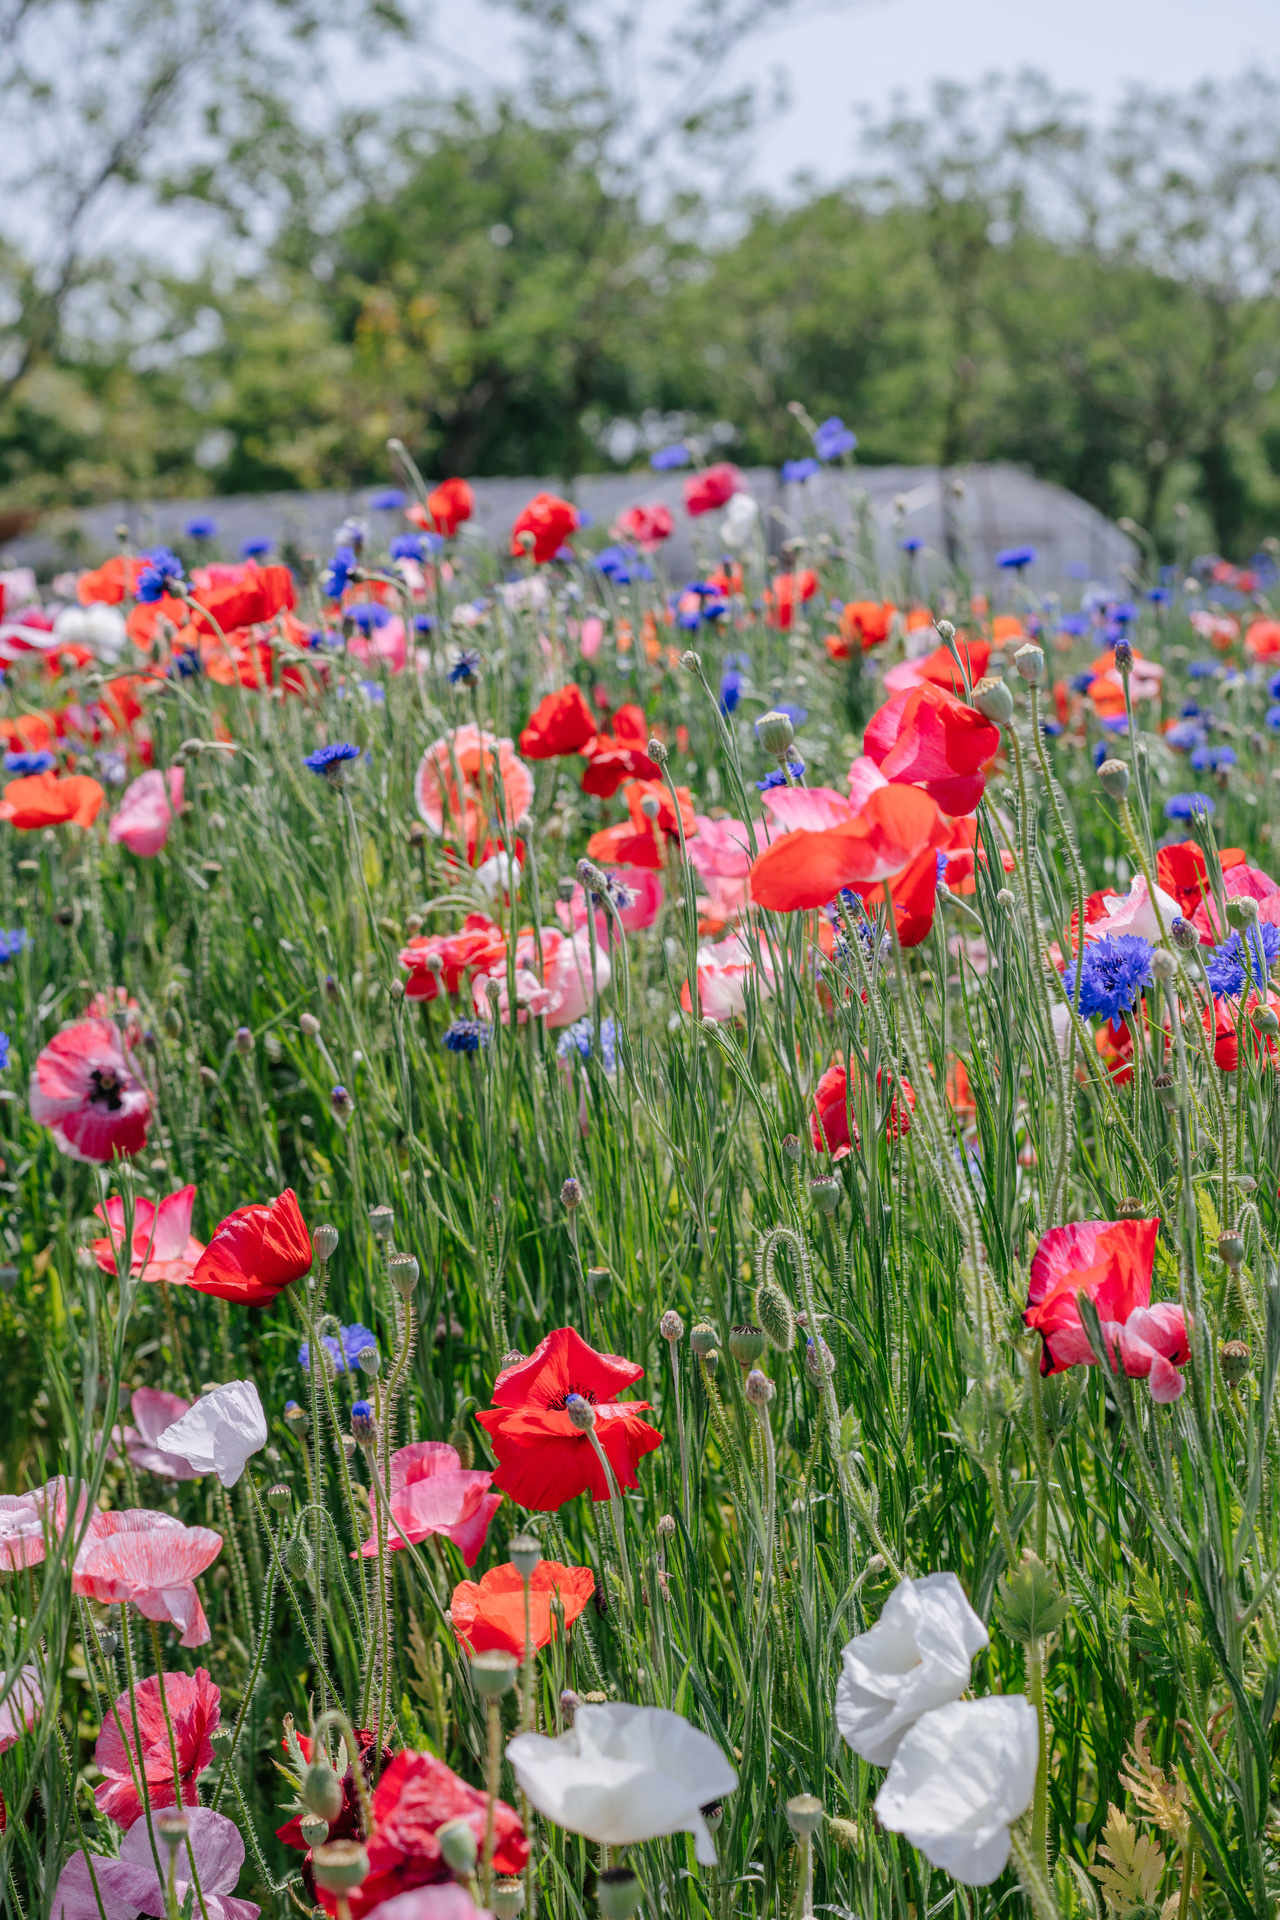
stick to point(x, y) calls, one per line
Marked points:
point(775, 1315)
point(322, 1790)
point(666, 1527)
point(1183, 935)
point(657, 752)
point(571, 1194)
point(993, 699)
point(1113, 776)
point(297, 1558)
point(758, 1388)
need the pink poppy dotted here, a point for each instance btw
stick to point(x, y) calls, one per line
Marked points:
point(636, 893)
point(432, 1492)
point(30, 1522)
point(163, 1232)
point(387, 643)
point(1110, 1263)
point(131, 1885)
point(1239, 882)
point(446, 1900)
point(720, 849)
point(22, 1709)
point(725, 973)
point(193, 1704)
point(564, 990)
point(1135, 912)
point(146, 811)
point(85, 1090)
point(466, 780)
point(153, 1410)
point(152, 1560)
point(647, 526)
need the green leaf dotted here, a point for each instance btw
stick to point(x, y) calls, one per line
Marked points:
point(1031, 1602)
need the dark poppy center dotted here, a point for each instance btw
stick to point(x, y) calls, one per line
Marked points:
point(107, 1091)
point(559, 1401)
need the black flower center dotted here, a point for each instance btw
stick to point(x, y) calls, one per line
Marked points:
point(107, 1091)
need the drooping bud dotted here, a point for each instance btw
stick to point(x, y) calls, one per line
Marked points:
point(1233, 1358)
point(1113, 776)
point(457, 1842)
point(402, 1272)
point(322, 1790)
point(671, 1326)
point(340, 1866)
point(776, 1316)
point(1029, 661)
point(618, 1893)
point(703, 1339)
point(524, 1549)
point(493, 1673)
point(993, 699)
point(775, 733)
point(804, 1815)
point(581, 1412)
point(758, 1388)
point(746, 1344)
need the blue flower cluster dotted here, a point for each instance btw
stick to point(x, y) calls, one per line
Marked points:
point(161, 575)
point(29, 762)
point(1185, 806)
point(336, 577)
point(465, 671)
point(779, 779)
point(833, 438)
point(12, 943)
point(667, 457)
point(1115, 970)
point(796, 472)
point(343, 1348)
point(580, 1039)
point(1258, 951)
point(466, 1036)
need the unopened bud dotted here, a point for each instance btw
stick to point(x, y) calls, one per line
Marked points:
point(1113, 777)
point(758, 1388)
point(1183, 935)
point(657, 753)
point(666, 1527)
point(322, 1790)
point(776, 1316)
point(1233, 1358)
point(297, 1560)
point(571, 1194)
point(819, 1361)
point(1242, 912)
point(243, 1040)
point(581, 1412)
point(1265, 1020)
point(309, 1025)
point(1005, 899)
point(1164, 965)
point(457, 1843)
point(671, 1326)
point(690, 661)
point(1124, 658)
point(363, 1427)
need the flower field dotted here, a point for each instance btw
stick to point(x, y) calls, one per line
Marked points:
point(640, 1229)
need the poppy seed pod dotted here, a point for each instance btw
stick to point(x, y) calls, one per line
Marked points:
point(493, 1673)
point(340, 1866)
point(1029, 661)
point(791, 1146)
point(1166, 1091)
point(313, 1829)
point(1131, 1209)
point(1231, 1249)
point(711, 1359)
point(671, 1326)
point(598, 1279)
point(804, 1815)
point(618, 1893)
point(381, 1220)
point(278, 1498)
point(457, 1843)
point(775, 733)
point(402, 1271)
point(758, 1388)
point(1113, 777)
point(525, 1552)
point(1242, 912)
point(173, 1827)
point(507, 1899)
point(369, 1361)
point(993, 700)
point(322, 1790)
point(776, 1316)
point(713, 1814)
point(746, 1344)
point(1265, 1020)
point(1233, 1358)
point(703, 1339)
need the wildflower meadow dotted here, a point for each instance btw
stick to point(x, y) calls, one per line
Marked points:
point(639, 1225)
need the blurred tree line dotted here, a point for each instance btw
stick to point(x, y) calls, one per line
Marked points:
point(560, 279)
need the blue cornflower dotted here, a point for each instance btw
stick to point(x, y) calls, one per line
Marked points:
point(201, 529)
point(585, 518)
point(364, 1430)
point(1016, 558)
point(912, 543)
point(1081, 682)
point(1213, 759)
point(1184, 735)
point(833, 438)
point(161, 575)
point(667, 457)
point(390, 500)
point(4, 1051)
point(1272, 718)
point(580, 1039)
point(253, 549)
point(1202, 669)
point(343, 1348)
point(730, 691)
point(466, 1036)
point(1159, 596)
point(796, 472)
point(336, 577)
point(1122, 612)
point(1051, 728)
point(796, 715)
point(408, 546)
point(942, 860)
point(1115, 723)
point(1273, 686)
point(12, 943)
point(1184, 806)
point(374, 692)
point(778, 778)
point(369, 614)
point(465, 671)
point(1259, 950)
point(1114, 972)
point(331, 761)
point(615, 564)
point(29, 762)
point(1074, 624)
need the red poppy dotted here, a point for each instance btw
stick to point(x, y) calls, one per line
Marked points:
point(109, 584)
point(255, 1252)
point(780, 598)
point(240, 596)
point(29, 733)
point(866, 623)
point(1181, 871)
point(479, 948)
point(193, 1706)
point(1262, 639)
point(928, 738)
point(46, 800)
point(347, 1825)
point(414, 1798)
point(830, 1124)
point(647, 526)
point(543, 1459)
point(712, 488)
point(489, 1613)
point(1114, 1047)
point(86, 1091)
point(561, 723)
point(550, 520)
point(1226, 1031)
point(1109, 1262)
point(801, 870)
point(620, 755)
point(448, 505)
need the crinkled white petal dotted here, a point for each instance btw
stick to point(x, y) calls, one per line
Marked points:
point(959, 1779)
point(916, 1657)
point(221, 1432)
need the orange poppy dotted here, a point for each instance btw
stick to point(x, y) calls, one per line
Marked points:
point(488, 1614)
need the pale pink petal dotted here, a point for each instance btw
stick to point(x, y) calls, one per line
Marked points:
point(469, 1533)
point(173, 1225)
point(865, 778)
point(421, 1461)
point(808, 809)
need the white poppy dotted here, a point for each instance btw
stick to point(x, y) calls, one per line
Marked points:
point(99, 627)
point(959, 1779)
point(623, 1774)
point(917, 1656)
point(220, 1433)
point(739, 523)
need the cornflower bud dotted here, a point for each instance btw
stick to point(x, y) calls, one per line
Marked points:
point(666, 1527)
point(690, 661)
point(309, 1025)
point(1183, 935)
point(819, 1361)
point(523, 1547)
point(571, 1194)
point(1124, 658)
point(1113, 777)
point(671, 1326)
point(363, 1430)
point(1029, 661)
point(657, 752)
point(341, 1102)
point(402, 1271)
point(758, 1388)
point(775, 733)
point(581, 1412)
point(992, 698)
point(1164, 965)
point(244, 1040)
point(703, 1339)
point(746, 1344)
point(945, 630)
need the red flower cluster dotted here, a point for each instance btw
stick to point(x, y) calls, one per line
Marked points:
point(255, 1252)
point(561, 723)
point(647, 526)
point(442, 962)
point(1108, 1262)
point(864, 624)
point(620, 755)
point(780, 598)
point(641, 842)
point(550, 520)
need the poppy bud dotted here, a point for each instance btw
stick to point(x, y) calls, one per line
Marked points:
point(1233, 1358)
point(581, 1412)
point(363, 1430)
point(1242, 912)
point(758, 1388)
point(309, 1025)
point(523, 1547)
point(322, 1790)
point(493, 1673)
point(571, 1194)
point(776, 1317)
point(804, 1815)
point(1113, 776)
point(381, 1220)
point(746, 1344)
point(1005, 899)
point(775, 733)
point(339, 1866)
point(369, 1361)
point(618, 1893)
point(1029, 661)
point(297, 1560)
point(1163, 964)
point(457, 1842)
point(278, 1498)
point(402, 1271)
point(703, 1339)
point(993, 700)
point(1231, 1249)
point(824, 1191)
point(1265, 1020)
point(507, 1899)
point(657, 753)
point(173, 1023)
point(690, 661)
point(243, 1040)
point(671, 1326)
point(314, 1830)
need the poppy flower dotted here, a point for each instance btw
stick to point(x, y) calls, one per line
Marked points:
point(51, 800)
point(807, 869)
point(239, 596)
point(448, 505)
point(543, 1459)
point(725, 972)
point(466, 779)
point(636, 893)
point(109, 584)
point(939, 668)
point(653, 816)
point(411, 1802)
point(620, 754)
point(1262, 639)
point(864, 624)
point(21, 1710)
point(479, 948)
point(570, 975)
point(30, 1522)
point(830, 1127)
point(432, 1492)
point(347, 1824)
point(647, 526)
point(152, 1560)
point(780, 598)
point(489, 1614)
point(163, 1245)
point(220, 1432)
point(1110, 1263)
point(193, 1703)
point(561, 723)
point(145, 814)
point(255, 1252)
point(130, 1884)
point(1239, 882)
point(924, 736)
point(712, 488)
point(86, 1092)
point(550, 520)
point(1134, 913)
point(153, 1411)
